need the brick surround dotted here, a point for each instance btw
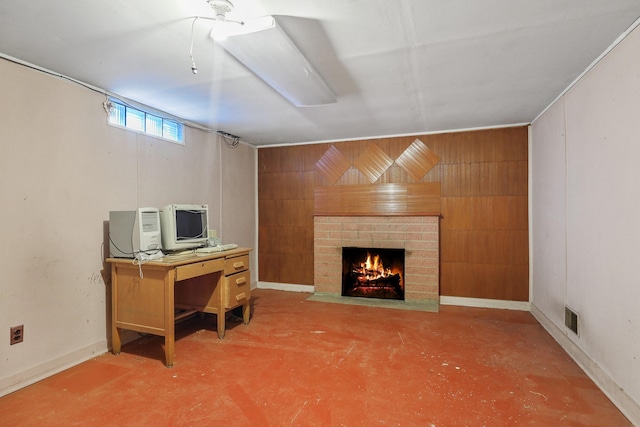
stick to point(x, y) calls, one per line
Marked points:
point(417, 235)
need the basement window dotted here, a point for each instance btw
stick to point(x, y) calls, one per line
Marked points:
point(144, 122)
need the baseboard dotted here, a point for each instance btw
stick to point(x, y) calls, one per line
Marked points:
point(285, 287)
point(30, 376)
point(486, 303)
point(625, 403)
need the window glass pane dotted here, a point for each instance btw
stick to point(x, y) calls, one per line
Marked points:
point(141, 121)
point(117, 114)
point(154, 125)
point(172, 130)
point(135, 119)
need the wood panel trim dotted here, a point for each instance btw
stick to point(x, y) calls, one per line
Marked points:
point(373, 162)
point(417, 160)
point(420, 199)
point(333, 164)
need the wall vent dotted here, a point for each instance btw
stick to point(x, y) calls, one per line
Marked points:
point(571, 319)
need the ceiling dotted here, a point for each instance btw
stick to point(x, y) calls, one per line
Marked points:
point(397, 66)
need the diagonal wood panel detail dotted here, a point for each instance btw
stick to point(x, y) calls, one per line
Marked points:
point(373, 162)
point(417, 160)
point(333, 164)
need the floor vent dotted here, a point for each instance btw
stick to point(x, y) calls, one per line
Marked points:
point(571, 319)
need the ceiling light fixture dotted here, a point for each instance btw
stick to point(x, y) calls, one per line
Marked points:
point(264, 48)
point(221, 8)
point(221, 25)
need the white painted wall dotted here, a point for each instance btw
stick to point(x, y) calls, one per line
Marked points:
point(62, 169)
point(239, 199)
point(548, 202)
point(586, 222)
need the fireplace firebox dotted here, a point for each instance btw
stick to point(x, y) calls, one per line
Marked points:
point(373, 273)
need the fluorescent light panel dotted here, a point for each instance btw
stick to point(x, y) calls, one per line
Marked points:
point(269, 52)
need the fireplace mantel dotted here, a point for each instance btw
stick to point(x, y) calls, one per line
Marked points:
point(419, 199)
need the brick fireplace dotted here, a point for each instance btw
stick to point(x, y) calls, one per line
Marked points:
point(418, 235)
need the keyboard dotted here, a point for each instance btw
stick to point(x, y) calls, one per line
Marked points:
point(219, 248)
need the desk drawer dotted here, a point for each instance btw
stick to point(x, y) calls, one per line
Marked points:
point(199, 269)
point(238, 289)
point(236, 265)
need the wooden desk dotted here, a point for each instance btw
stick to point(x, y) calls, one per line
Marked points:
point(212, 283)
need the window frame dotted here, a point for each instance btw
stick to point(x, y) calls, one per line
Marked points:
point(167, 126)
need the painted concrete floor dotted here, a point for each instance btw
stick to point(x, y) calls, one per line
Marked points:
point(307, 363)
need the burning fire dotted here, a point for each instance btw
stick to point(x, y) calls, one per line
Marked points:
point(373, 269)
point(366, 276)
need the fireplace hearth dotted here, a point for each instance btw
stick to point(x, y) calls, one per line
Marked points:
point(373, 273)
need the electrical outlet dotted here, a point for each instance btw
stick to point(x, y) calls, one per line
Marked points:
point(17, 334)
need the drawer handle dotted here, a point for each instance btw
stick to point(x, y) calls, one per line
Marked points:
point(241, 280)
point(238, 264)
point(240, 296)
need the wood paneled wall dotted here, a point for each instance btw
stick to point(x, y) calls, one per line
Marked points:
point(484, 225)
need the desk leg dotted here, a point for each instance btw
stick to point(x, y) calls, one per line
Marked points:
point(246, 312)
point(169, 349)
point(116, 341)
point(221, 319)
point(221, 312)
point(169, 317)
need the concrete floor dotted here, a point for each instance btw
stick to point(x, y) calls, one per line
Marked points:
point(308, 363)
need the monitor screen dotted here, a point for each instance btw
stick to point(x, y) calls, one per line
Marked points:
point(190, 224)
